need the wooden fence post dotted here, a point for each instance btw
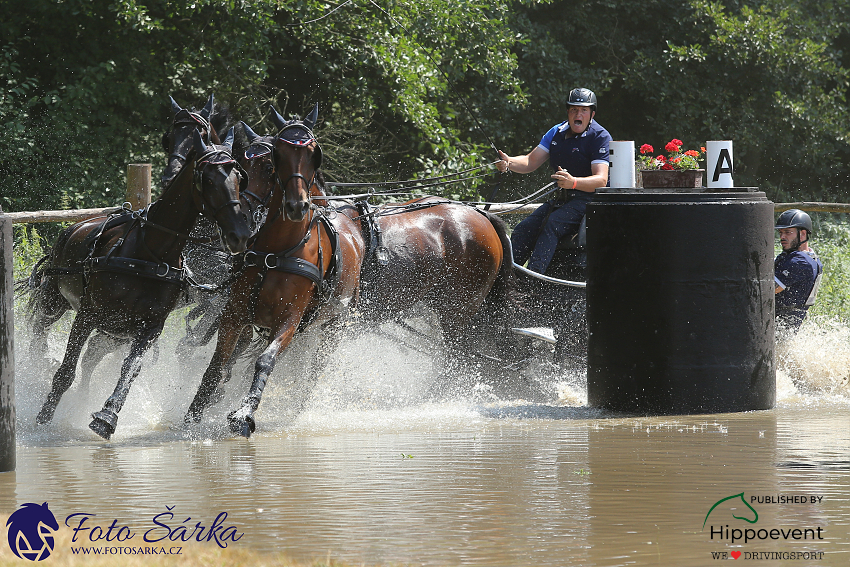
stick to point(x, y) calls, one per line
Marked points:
point(139, 185)
point(7, 349)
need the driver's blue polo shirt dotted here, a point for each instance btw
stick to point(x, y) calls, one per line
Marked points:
point(576, 154)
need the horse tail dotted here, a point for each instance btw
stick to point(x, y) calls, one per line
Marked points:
point(40, 288)
point(501, 294)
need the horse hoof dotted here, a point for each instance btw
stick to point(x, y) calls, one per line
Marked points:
point(241, 425)
point(45, 415)
point(103, 423)
point(192, 418)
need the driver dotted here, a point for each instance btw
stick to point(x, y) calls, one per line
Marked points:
point(577, 150)
point(797, 270)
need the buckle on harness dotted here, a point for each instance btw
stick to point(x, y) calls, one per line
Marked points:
point(266, 261)
point(167, 270)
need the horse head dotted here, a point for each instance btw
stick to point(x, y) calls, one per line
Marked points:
point(297, 158)
point(258, 161)
point(177, 141)
point(218, 181)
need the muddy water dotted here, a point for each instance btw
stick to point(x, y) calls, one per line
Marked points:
point(506, 474)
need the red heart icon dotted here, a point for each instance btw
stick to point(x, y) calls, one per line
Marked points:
point(735, 554)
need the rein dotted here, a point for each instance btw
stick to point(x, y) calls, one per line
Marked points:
point(158, 269)
point(142, 217)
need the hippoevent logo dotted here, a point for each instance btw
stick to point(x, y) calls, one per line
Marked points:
point(32, 527)
point(739, 533)
point(31, 530)
point(733, 497)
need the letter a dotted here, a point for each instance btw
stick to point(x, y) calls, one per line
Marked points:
point(719, 168)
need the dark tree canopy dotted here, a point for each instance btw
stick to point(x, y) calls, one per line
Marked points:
point(409, 88)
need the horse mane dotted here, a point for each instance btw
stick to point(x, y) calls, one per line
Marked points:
point(320, 182)
point(221, 120)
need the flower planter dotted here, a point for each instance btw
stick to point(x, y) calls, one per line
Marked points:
point(668, 178)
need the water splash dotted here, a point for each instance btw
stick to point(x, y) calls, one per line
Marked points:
point(375, 381)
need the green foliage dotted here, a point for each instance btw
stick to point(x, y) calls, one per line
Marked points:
point(416, 88)
point(771, 75)
point(28, 248)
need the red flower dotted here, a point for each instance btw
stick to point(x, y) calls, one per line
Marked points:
point(667, 166)
point(662, 159)
point(673, 147)
point(692, 153)
point(646, 149)
point(702, 149)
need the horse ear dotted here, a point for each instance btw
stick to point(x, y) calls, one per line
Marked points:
point(175, 108)
point(250, 134)
point(228, 140)
point(277, 118)
point(206, 112)
point(200, 146)
point(310, 121)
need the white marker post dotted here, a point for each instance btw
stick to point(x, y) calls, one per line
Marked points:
point(621, 172)
point(719, 164)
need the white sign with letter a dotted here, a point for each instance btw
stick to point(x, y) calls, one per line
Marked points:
point(622, 168)
point(718, 164)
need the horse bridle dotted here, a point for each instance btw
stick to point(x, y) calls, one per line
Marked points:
point(191, 119)
point(259, 214)
point(218, 156)
point(301, 143)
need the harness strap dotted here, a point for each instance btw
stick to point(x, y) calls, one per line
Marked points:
point(152, 270)
point(374, 236)
point(286, 262)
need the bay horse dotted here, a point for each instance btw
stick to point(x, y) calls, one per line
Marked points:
point(448, 255)
point(303, 266)
point(123, 274)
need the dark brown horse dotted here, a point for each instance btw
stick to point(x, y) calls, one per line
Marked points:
point(303, 267)
point(123, 274)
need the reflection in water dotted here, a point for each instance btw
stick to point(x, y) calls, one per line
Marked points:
point(372, 473)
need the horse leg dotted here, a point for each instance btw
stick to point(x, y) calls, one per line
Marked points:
point(99, 346)
point(242, 420)
point(329, 339)
point(104, 421)
point(41, 324)
point(64, 377)
point(228, 338)
point(209, 312)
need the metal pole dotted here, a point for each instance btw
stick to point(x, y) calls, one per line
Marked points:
point(7, 349)
point(139, 185)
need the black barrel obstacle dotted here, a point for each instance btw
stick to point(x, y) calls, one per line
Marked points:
point(680, 301)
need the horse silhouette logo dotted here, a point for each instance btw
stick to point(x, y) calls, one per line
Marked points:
point(733, 497)
point(31, 530)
